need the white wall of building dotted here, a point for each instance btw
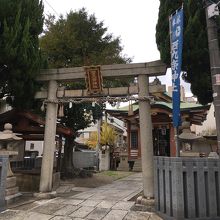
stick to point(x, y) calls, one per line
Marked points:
point(4, 107)
point(34, 146)
point(209, 124)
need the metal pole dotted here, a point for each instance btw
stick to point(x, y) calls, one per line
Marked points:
point(214, 56)
point(98, 142)
point(176, 133)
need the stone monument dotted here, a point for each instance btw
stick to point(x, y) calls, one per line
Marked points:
point(104, 158)
point(123, 165)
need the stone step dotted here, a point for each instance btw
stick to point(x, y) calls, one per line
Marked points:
point(11, 191)
point(12, 198)
point(11, 181)
point(137, 166)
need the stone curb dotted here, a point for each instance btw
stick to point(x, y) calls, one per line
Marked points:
point(48, 195)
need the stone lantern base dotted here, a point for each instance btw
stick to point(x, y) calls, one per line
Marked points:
point(12, 190)
point(123, 165)
point(104, 160)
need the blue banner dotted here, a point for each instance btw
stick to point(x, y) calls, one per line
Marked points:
point(176, 35)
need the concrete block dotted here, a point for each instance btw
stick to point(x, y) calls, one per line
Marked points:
point(34, 215)
point(106, 204)
point(61, 218)
point(82, 212)
point(153, 216)
point(115, 215)
point(66, 210)
point(82, 196)
point(91, 203)
point(11, 181)
point(123, 205)
point(12, 198)
point(73, 201)
point(137, 215)
point(48, 195)
point(11, 191)
point(98, 213)
point(49, 208)
point(9, 214)
point(22, 215)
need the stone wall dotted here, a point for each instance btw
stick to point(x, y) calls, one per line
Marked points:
point(187, 188)
point(29, 182)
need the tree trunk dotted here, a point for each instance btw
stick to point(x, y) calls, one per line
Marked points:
point(67, 165)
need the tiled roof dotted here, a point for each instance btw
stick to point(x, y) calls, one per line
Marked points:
point(183, 106)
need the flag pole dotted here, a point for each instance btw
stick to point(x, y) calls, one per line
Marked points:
point(177, 93)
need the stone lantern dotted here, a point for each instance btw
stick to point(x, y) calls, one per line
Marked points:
point(7, 137)
point(187, 137)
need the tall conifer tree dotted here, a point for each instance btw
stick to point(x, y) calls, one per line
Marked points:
point(196, 65)
point(21, 22)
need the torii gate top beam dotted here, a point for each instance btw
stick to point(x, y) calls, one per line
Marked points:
point(155, 68)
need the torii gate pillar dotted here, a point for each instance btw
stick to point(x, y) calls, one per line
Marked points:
point(146, 137)
point(49, 140)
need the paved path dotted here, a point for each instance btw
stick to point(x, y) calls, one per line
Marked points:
point(109, 202)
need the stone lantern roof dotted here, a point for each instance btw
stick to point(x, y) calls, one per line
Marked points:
point(7, 134)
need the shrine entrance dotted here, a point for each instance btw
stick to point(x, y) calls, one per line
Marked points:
point(55, 95)
point(161, 141)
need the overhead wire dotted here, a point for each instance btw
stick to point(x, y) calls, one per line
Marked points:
point(52, 7)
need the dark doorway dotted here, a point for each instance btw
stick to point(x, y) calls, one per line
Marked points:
point(161, 141)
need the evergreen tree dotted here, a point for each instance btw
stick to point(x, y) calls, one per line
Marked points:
point(79, 40)
point(21, 22)
point(195, 65)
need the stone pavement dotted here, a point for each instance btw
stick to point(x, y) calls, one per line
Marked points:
point(109, 202)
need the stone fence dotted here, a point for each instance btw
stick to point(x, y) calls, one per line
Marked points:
point(187, 188)
point(86, 159)
point(3, 176)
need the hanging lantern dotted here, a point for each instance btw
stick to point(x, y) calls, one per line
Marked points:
point(42, 108)
point(130, 108)
point(60, 111)
point(118, 105)
point(70, 104)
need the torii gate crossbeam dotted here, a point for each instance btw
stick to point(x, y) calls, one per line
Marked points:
point(141, 70)
point(155, 68)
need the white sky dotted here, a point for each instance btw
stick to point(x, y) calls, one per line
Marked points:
point(133, 21)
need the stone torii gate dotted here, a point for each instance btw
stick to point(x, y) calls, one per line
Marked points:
point(141, 70)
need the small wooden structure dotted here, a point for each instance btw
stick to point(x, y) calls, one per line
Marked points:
point(29, 125)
